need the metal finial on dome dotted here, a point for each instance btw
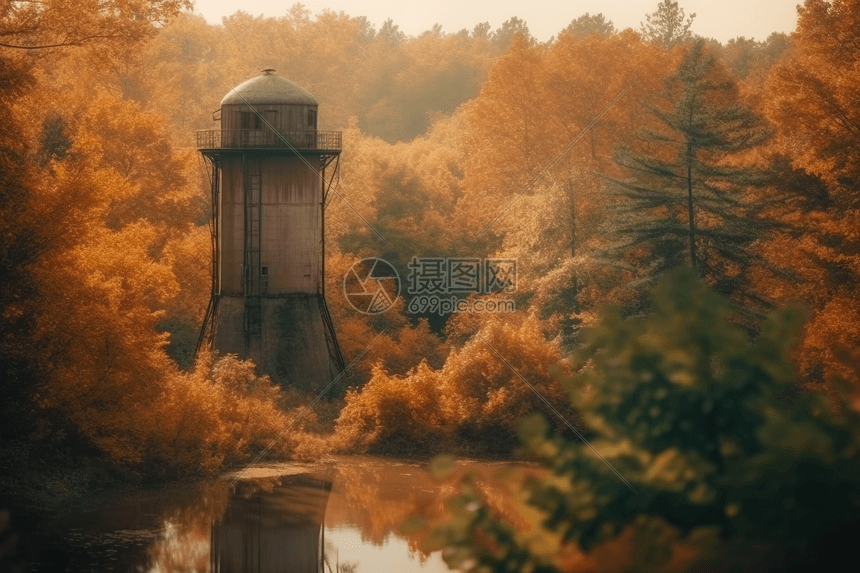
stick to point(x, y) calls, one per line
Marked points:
point(268, 71)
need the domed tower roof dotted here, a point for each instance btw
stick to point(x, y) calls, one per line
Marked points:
point(269, 88)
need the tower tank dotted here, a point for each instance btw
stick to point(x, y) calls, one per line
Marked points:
point(268, 172)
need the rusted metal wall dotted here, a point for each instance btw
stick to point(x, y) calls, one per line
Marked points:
point(291, 226)
point(232, 225)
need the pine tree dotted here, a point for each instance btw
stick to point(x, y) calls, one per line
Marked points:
point(390, 33)
point(666, 26)
point(504, 36)
point(588, 24)
point(687, 199)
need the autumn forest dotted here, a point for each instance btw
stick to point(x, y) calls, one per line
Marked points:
point(684, 214)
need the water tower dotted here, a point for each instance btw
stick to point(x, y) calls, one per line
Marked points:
point(269, 165)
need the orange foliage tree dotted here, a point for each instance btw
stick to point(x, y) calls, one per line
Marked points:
point(64, 23)
point(102, 246)
point(471, 403)
point(811, 98)
point(519, 124)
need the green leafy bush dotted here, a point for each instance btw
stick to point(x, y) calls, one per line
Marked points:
point(703, 442)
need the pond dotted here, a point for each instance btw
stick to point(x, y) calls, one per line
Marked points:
point(341, 516)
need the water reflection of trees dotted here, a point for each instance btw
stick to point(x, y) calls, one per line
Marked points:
point(332, 563)
point(184, 544)
point(378, 497)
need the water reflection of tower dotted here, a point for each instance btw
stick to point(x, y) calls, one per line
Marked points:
point(272, 528)
point(269, 187)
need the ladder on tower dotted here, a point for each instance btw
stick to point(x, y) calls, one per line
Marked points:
point(253, 206)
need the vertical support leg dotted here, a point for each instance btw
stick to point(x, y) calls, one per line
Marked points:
point(208, 326)
point(334, 352)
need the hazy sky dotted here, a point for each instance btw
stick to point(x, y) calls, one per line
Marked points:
point(719, 19)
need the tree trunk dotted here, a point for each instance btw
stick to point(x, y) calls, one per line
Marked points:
point(572, 205)
point(690, 212)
